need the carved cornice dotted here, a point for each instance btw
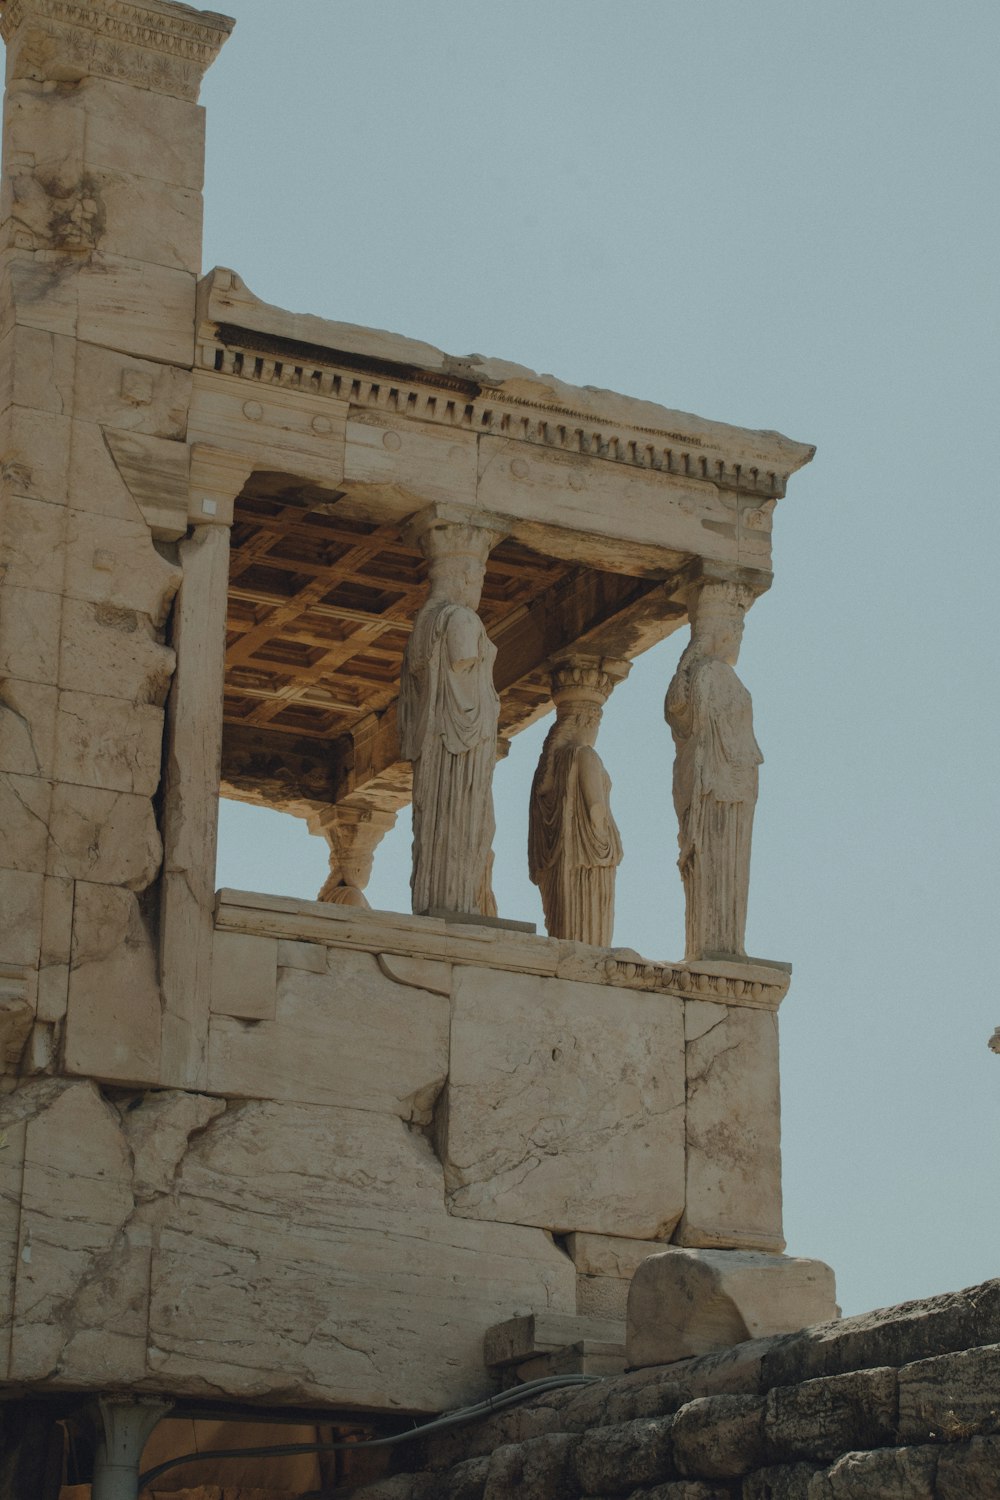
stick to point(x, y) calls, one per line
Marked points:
point(158, 45)
point(752, 983)
point(492, 413)
point(593, 679)
point(695, 982)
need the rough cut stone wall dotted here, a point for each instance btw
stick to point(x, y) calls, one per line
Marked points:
point(899, 1404)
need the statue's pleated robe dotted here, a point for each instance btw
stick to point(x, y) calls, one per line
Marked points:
point(574, 847)
point(715, 793)
point(448, 713)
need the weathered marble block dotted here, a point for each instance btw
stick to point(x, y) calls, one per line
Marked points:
point(348, 1036)
point(692, 1302)
point(733, 1192)
point(113, 1020)
point(565, 1105)
point(256, 1249)
point(605, 1265)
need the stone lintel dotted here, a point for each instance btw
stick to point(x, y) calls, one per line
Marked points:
point(496, 397)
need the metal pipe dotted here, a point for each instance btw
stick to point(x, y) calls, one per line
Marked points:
point(484, 1408)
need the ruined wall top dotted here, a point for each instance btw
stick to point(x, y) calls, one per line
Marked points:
point(154, 44)
point(731, 457)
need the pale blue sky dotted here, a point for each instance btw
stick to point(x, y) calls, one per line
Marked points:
point(779, 214)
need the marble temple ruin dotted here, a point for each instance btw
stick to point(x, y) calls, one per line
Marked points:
point(297, 1166)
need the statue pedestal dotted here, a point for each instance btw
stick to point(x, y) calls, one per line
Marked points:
point(476, 919)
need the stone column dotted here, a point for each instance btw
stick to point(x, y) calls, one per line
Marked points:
point(448, 714)
point(715, 772)
point(574, 848)
point(100, 250)
point(353, 834)
point(126, 1425)
point(193, 767)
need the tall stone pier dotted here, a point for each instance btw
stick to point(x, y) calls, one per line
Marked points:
point(299, 1158)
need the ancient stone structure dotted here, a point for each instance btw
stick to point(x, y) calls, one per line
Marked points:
point(270, 1153)
point(900, 1404)
point(448, 716)
point(715, 773)
point(574, 848)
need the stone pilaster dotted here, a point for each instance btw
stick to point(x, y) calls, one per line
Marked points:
point(100, 246)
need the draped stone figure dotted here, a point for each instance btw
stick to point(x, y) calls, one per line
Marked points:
point(574, 848)
point(352, 833)
point(448, 713)
point(715, 774)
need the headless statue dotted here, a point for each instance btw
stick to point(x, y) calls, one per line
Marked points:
point(715, 775)
point(574, 848)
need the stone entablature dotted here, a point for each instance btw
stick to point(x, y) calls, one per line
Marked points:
point(748, 983)
point(548, 452)
point(153, 44)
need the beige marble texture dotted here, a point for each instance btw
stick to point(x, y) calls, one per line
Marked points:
point(564, 1106)
point(350, 1036)
point(691, 1302)
point(733, 1186)
point(257, 1249)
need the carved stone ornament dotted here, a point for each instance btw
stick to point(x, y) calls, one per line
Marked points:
point(715, 774)
point(353, 834)
point(448, 714)
point(150, 43)
point(574, 848)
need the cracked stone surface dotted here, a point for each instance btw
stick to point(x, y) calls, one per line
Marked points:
point(565, 1105)
point(685, 1302)
point(733, 1192)
point(190, 1245)
point(348, 1036)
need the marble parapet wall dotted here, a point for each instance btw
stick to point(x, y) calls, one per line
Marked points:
point(394, 1106)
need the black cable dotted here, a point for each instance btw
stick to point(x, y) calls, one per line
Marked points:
point(482, 1408)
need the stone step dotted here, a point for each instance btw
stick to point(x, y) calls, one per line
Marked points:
point(523, 1338)
point(588, 1357)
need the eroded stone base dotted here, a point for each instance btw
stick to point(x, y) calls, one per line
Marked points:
point(684, 1303)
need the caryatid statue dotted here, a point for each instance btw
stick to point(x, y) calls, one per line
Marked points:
point(715, 773)
point(352, 833)
point(448, 713)
point(574, 848)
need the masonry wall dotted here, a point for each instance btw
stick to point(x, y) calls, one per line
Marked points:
point(393, 1154)
point(273, 1151)
point(902, 1404)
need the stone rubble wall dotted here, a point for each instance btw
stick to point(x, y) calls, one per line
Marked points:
point(898, 1404)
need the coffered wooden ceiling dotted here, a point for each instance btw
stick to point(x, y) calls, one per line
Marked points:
point(320, 608)
point(321, 603)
